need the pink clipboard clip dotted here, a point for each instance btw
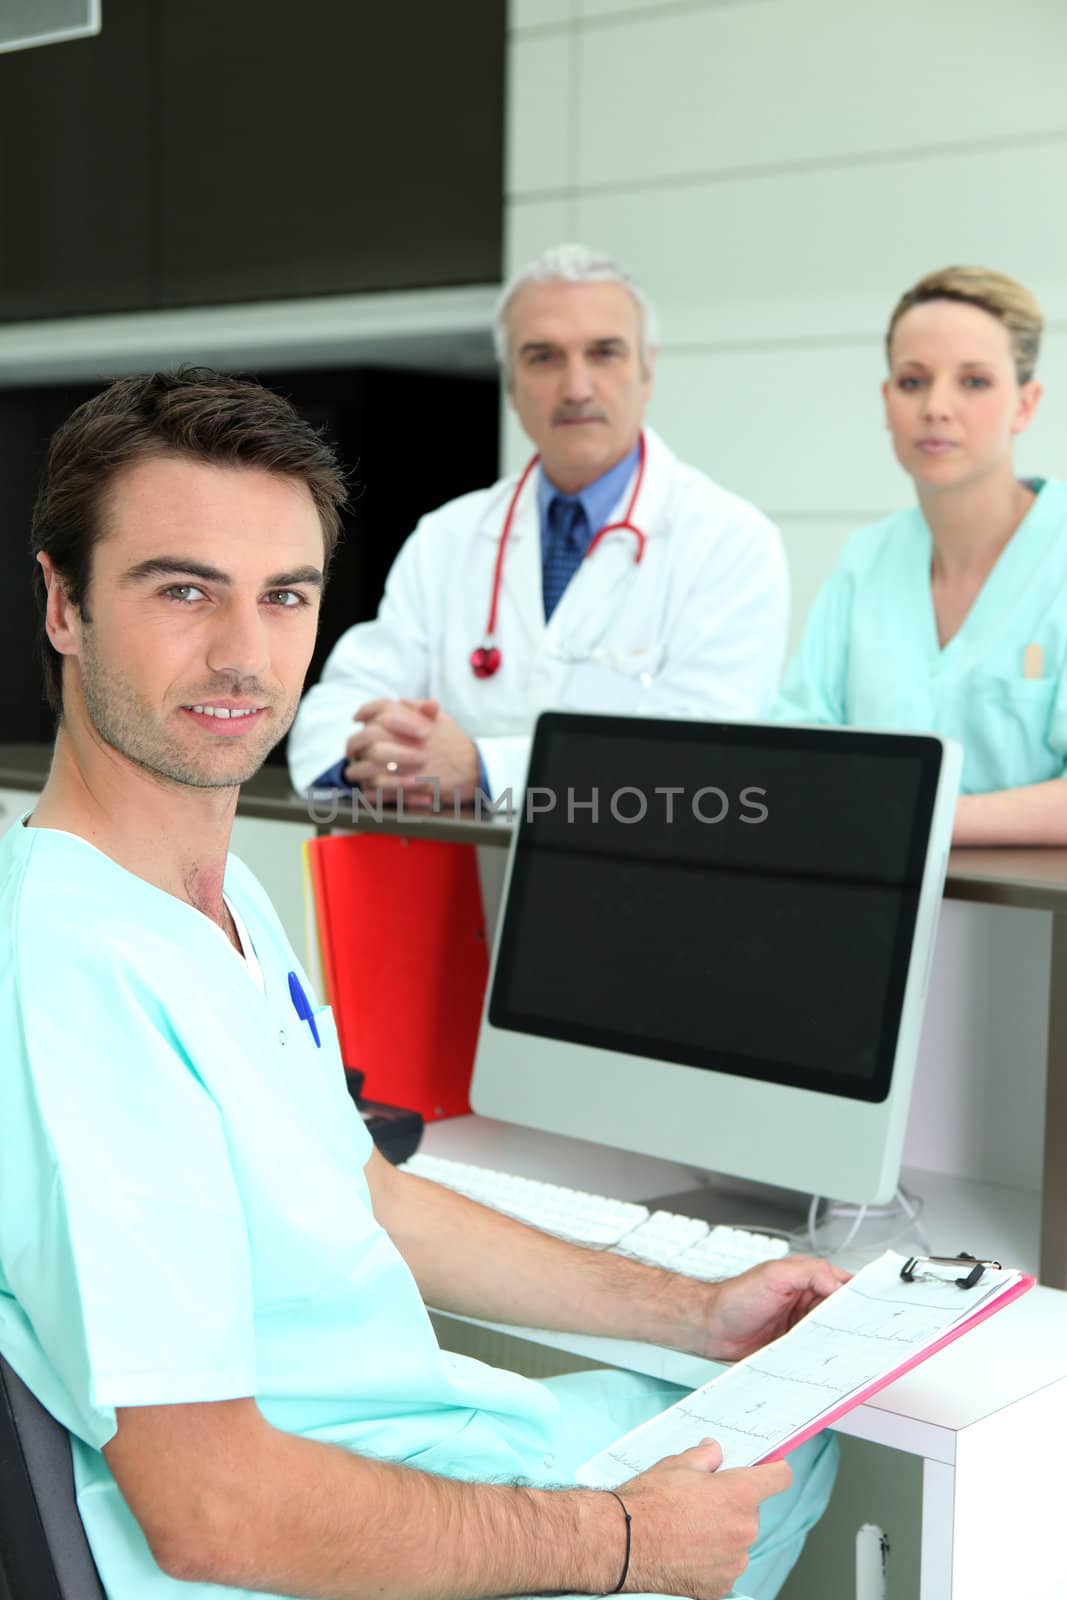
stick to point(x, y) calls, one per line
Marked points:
point(1017, 1290)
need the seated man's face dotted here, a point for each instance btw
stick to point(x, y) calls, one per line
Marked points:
point(203, 599)
point(577, 380)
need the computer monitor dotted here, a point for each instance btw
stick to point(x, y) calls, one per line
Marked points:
point(715, 941)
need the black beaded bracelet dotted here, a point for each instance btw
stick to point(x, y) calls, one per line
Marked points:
point(626, 1559)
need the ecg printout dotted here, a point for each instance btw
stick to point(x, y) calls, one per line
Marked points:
point(872, 1326)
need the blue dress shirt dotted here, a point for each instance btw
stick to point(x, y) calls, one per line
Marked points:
point(598, 499)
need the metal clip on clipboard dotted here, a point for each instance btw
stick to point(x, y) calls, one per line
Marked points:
point(910, 1270)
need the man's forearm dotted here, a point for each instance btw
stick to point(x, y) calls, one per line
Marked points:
point(263, 1510)
point(475, 1262)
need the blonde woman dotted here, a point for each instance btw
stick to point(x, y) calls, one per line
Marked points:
point(952, 616)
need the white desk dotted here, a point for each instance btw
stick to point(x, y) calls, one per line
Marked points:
point(985, 1416)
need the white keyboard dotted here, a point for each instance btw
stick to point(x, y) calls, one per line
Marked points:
point(684, 1244)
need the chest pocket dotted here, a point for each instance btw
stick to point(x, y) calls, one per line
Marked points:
point(317, 1088)
point(613, 681)
point(300, 1152)
point(1009, 731)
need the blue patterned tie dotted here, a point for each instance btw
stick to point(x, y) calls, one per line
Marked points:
point(568, 535)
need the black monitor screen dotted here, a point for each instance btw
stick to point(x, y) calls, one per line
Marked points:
point(733, 897)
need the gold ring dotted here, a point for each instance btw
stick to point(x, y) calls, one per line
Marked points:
point(392, 766)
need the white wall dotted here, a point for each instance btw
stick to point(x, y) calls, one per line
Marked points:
point(776, 173)
point(274, 851)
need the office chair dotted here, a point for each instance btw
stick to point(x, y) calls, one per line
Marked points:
point(44, 1554)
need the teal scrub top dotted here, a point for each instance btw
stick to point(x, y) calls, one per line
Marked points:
point(184, 1214)
point(870, 656)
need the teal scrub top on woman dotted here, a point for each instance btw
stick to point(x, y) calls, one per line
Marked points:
point(870, 656)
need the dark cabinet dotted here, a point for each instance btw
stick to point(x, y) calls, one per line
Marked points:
point(75, 173)
point(214, 151)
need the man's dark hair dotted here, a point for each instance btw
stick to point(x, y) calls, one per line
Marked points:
point(196, 413)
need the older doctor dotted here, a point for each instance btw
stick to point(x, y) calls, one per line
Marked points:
point(505, 602)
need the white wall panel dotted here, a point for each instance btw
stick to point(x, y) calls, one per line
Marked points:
point(540, 144)
point(800, 430)
point(794, 430)
point(813, 254)
point(524, 14)
point(600, 10)
point(978, 1102)
point(728, 87)
point(532, 225)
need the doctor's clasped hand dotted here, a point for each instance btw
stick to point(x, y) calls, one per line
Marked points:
point(413, 747)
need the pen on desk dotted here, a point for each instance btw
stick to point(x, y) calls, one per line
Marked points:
point(302, 1006)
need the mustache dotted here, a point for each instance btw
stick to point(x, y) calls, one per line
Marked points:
point(250, 688)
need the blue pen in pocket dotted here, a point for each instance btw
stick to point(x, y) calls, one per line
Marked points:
point(302, 1006)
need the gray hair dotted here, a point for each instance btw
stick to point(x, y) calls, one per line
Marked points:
point(572, 263)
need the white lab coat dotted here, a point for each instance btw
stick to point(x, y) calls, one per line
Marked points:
point(697, 629)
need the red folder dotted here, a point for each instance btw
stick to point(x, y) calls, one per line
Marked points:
point(405, 964)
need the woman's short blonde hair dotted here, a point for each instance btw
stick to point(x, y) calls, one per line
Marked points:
point(995, 292)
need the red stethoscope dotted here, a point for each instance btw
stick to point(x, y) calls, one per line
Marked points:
point(486, 659)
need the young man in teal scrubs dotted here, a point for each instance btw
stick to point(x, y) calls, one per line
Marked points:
point(206, 1271)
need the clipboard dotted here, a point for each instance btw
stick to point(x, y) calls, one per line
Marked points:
point(1018, 1289)
point(838, 1356)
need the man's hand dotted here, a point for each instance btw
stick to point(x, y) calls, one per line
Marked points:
point(749, 1311)
point(402, 742)
point(693, 1526)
